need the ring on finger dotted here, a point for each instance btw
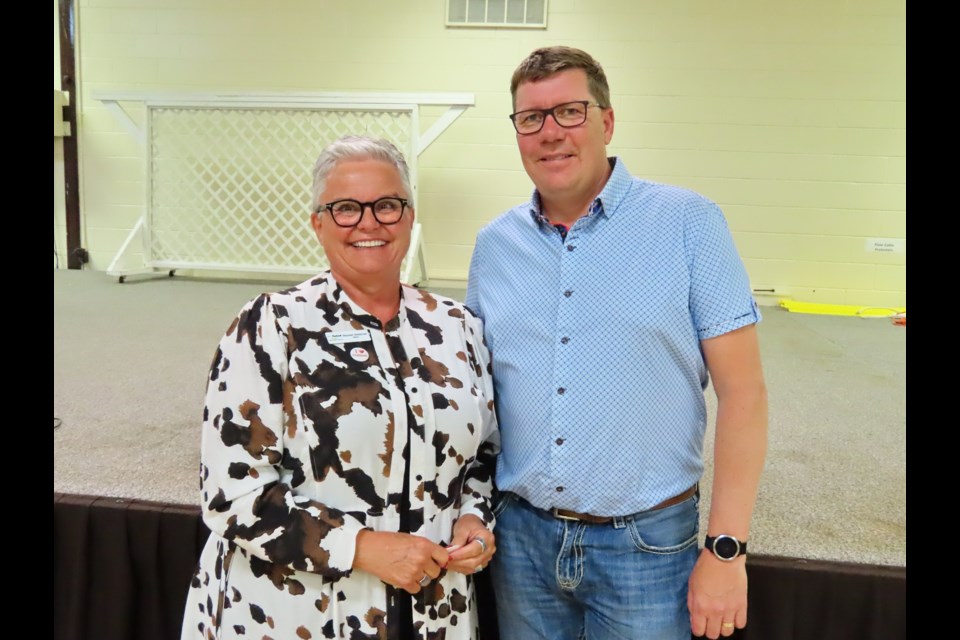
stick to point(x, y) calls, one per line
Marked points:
point(425, 580)
point(483, 545)
point(727, 625)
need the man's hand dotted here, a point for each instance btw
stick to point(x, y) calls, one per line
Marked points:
point(717, 597)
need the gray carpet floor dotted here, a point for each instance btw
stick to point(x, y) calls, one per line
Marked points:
point(131, 359)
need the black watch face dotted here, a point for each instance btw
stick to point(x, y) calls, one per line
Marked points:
point(726, 547)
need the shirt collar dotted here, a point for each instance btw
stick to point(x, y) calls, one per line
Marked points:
point(350, 310)
point(606, 203)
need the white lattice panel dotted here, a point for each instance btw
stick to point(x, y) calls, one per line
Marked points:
point(229, 173)
point(230, 187)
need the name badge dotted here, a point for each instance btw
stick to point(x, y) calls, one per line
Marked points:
point(343, 337)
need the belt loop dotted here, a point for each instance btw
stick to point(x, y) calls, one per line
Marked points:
point(619, 522)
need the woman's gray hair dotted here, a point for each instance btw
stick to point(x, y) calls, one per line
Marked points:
point(353, 147)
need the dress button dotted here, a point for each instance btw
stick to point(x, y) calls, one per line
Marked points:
point(568, 293)
point(564, 340)
point(559, 489)
point(559, 440)
point(561, 390)
point(571, 247)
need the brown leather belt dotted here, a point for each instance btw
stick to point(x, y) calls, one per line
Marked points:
point(564, 514)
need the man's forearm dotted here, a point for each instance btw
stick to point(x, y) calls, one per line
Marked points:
point(740, 449)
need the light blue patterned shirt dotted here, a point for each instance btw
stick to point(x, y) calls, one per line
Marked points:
point(595, 341)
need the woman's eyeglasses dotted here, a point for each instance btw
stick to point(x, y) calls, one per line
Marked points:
point(349, 212)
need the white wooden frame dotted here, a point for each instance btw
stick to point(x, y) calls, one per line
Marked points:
point(408, 103)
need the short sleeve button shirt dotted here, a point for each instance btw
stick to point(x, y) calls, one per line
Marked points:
point(595, 340)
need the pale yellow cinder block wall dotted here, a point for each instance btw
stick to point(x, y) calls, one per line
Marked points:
point(791, 117)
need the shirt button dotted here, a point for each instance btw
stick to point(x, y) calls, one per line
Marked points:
point(564, 340)
point(568, 293)
point(559, 441)
point(571, 247)
point(561, 390)
point(559, 489)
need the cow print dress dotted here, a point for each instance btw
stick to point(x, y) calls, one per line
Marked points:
point(310, 405)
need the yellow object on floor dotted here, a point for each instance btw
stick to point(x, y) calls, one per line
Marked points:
point(842, 309)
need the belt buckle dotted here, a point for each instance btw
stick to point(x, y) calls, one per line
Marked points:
point(559, 516)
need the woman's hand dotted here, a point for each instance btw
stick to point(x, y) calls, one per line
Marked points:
point(400, 559)
point(472, 545)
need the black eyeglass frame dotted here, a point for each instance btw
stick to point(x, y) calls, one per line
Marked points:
point(363, 209)
point(552, 111)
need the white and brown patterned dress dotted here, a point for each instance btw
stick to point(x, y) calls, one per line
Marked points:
point(309, 404)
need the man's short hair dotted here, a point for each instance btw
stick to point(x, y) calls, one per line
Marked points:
point(547, 61)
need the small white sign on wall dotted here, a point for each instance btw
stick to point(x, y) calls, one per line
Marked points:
point(886, 245)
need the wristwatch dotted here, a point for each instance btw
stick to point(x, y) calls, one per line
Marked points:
point(726, 548)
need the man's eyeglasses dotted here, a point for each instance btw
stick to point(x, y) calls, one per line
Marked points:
point(567, 115)
point(348, 212)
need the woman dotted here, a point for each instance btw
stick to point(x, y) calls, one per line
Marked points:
point(348, 438)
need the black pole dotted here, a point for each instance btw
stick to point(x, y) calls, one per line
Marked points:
point(76, 254)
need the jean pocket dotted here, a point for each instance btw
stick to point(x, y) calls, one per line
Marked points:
point(669, 530)
point(501, 501)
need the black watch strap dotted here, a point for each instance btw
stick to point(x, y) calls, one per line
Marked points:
point(724, 547)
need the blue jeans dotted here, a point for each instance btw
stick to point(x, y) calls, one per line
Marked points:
point(568, 580)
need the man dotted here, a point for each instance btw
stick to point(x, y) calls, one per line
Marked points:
point(609, 302)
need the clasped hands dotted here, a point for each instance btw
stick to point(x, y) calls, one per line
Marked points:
point(411, 562)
